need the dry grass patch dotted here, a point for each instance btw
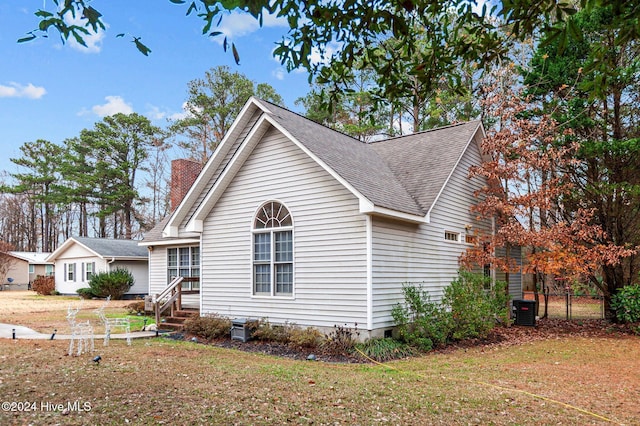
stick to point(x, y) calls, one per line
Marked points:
point(167, 381)
point(160, 381)
point(46, 313)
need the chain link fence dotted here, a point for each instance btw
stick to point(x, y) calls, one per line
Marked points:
point(569, 306)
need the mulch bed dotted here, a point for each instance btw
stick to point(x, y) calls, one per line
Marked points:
point(500, 336)
point(548, 328)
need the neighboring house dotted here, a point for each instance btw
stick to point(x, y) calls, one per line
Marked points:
point(78, 258)
point(25, 268)
point(296, 222)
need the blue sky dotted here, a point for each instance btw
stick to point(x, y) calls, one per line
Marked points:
point(52, 91)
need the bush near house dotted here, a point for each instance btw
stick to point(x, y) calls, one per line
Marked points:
point(470, 308)
point(114, 283)
point(44, 285)
point(85, 293)
point(208, 327)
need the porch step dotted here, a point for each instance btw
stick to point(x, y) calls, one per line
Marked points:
point(186, 313)
point(176, 322)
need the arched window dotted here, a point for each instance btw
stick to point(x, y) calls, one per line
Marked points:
point(273, 251)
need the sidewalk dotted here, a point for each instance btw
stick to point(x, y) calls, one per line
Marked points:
point(7, 330)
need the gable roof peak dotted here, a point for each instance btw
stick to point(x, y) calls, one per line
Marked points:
point(277, 108)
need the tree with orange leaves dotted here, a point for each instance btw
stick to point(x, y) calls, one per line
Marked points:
point(527, 156)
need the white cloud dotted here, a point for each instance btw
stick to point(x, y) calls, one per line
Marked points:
point(17, 90)
point(180, 115)
point(155, 113)
point(279, 73)
point(331, 49)
point(93, 40)
point(239, 24)
point(114, 105)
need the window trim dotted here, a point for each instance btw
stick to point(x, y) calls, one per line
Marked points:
point(450, 233)
point(88, 274)
point(70, 272)
point(470, 239)
point(179, 267)
point(272, 231)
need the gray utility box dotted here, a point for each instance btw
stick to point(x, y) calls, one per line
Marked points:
point(239, 329)
point(525, 312)
point(148, 303)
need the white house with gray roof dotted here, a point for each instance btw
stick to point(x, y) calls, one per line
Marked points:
point(78, 258)
point(293, 221)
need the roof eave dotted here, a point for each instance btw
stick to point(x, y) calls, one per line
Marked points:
point(170, 242)
point(366, 207)
point(171, 229)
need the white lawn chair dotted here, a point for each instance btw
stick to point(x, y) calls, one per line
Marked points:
point(112, 323)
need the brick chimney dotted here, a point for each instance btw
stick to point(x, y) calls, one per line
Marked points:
point(183, 174)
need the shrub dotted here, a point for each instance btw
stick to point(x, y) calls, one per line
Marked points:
point(341, 340)
point(208, 327)
point(44, 285)
point(114, 283)
point(136, 307)
point(264, 330)
point(385, 349)
point(474, 305)
point(308, 338)
point(626, 304)
point(470, 308)
point(420, 321)
point(85, 293)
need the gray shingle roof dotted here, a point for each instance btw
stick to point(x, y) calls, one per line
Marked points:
point(423, 161)
point(155, 233)
point(113, 248)
point(350, 158)
point(404, 174)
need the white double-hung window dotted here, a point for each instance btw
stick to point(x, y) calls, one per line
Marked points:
point(184, 262)
point(273, 251)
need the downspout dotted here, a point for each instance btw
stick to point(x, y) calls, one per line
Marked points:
point(369, 249)
point(201, 275)
point(109, 262)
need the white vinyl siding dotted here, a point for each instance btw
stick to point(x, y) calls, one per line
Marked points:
point(157, 270)
point(140, 273)
point(421, 254)
point(230, 153)
point(329, 244)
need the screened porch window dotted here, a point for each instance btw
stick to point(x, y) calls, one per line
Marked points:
point(184, 262)
point(273, 251)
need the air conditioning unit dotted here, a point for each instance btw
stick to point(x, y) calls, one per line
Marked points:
point(239, 329)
